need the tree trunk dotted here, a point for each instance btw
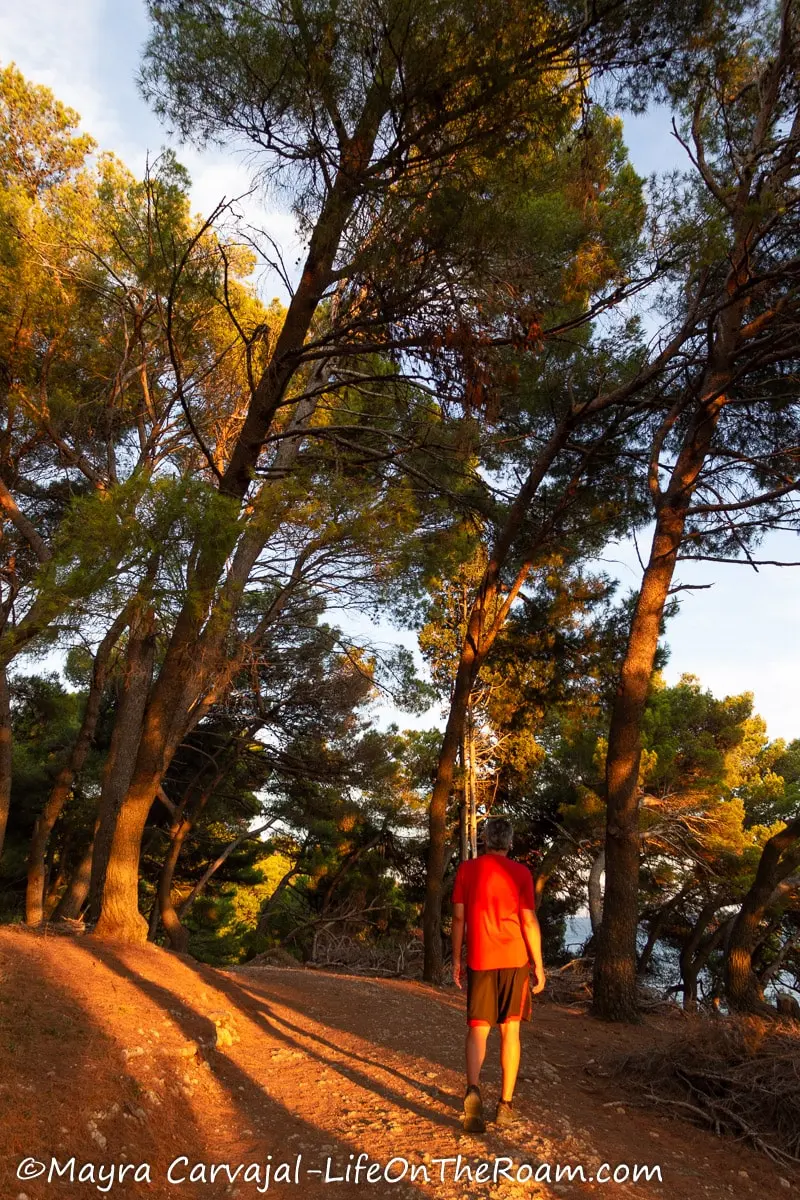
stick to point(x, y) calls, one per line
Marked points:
point(615, 962)
point(125, 737)
point(296, 869)
point(195, 662)
point(263, 923)
point(62, 788)
point(153, 921)
point(595, 891)
point(463, 824)
point(655, 926)
point(691, 963)
point(779, 859)
point(486, 618)
point(347, 865)
point(70, 905)
point(52, 885)
point(472, 784)
point(437, 817)
point(217, 863)
point(177, 936)
point(773, 968)
point(5, 754)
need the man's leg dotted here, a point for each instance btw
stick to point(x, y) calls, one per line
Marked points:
point(476, 1052)
point(509, 1057)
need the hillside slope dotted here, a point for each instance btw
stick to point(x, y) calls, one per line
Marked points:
point(115, 1056)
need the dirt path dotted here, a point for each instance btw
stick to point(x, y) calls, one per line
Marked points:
point(139, 1057)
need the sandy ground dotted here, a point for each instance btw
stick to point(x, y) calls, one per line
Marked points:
point(118, 1058)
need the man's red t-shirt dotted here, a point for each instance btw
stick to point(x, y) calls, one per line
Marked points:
point(494, 890)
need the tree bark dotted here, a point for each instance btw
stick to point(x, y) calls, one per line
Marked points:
point(486, 618)
point(194, 665)
point(5, 754)
point(177, 936)
point(779, 859)
point(218, 862)
point(125, 737)
point(62, 788)
point(70, 905)
point(595, 892)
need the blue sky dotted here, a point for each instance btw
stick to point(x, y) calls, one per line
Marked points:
point(741, 634)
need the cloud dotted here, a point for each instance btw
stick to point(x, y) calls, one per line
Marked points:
point(83, 50)
point(88, 52)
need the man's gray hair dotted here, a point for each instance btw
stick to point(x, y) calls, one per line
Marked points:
point(498, 833)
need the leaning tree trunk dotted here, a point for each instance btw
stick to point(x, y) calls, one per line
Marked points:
point(62, 788)
point(779, 859)
point(595, 892)
point(437, 817)
point(692, 957)
point(177, 935)
point(71, 903)
point(5, 754)
point(485, 620)
point(615, 962)
point(182, 826)
point(125, 737)
point(195, 662)
point(772, 969)
point(212, 869)
point(656, 927)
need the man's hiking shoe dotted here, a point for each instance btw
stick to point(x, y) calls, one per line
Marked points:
point(505, 1114)
point(473, 1111)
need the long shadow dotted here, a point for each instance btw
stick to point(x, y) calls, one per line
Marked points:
point(66, 1088)
point(509, 1141)
point(391, 1036)
point(237, 1083)
point(259, 1008)
point(262, 1008)
point(266, 1022)
point(242, 1000)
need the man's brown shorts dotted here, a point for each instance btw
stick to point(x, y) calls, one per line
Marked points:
point(494, 997)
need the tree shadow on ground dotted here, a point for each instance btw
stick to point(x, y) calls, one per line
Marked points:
point(67, 1087)
point(279, 1127)
point(254, 1006)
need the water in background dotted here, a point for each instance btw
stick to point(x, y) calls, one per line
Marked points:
point(664, 971)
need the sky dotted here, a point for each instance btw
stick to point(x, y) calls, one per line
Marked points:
point(741, 633)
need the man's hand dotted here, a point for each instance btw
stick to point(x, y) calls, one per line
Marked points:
point(457, 941)
point(538, 979)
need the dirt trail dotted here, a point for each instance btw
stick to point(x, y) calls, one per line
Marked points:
point(118, 1056)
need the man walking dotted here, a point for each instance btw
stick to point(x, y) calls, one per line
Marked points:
point(493, 896)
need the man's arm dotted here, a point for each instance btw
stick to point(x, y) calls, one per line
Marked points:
point(457, 940)
point(533, 940)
